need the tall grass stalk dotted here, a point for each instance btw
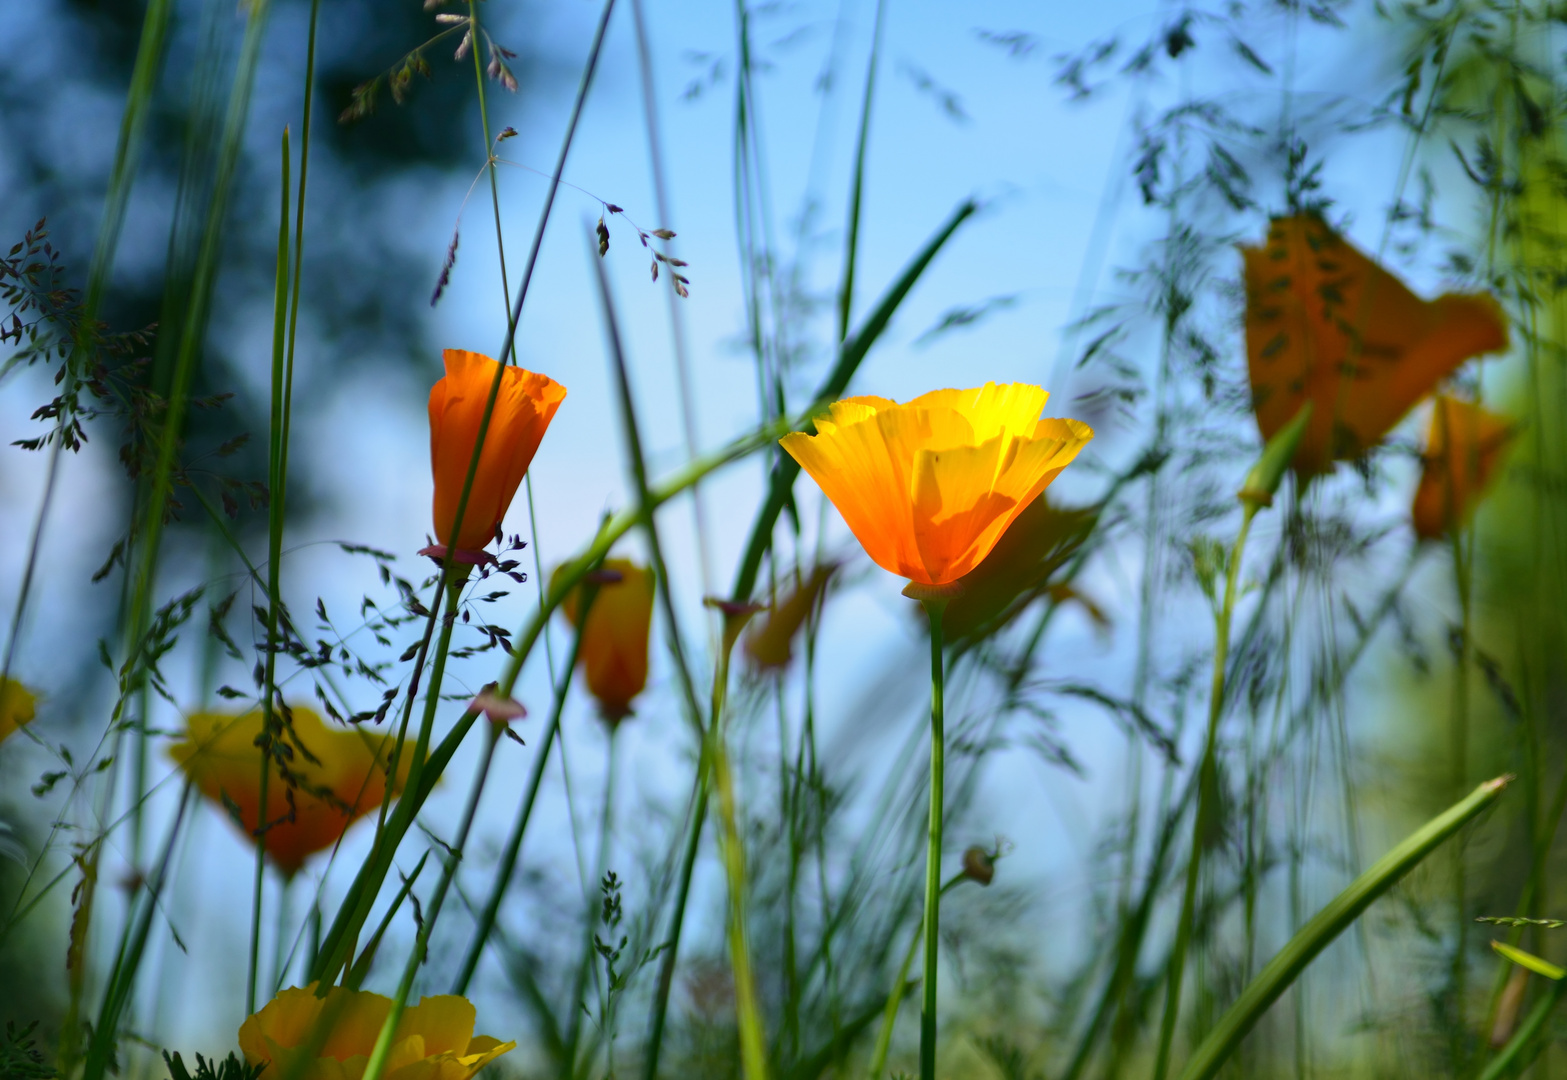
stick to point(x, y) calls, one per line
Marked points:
point(376, 1065)
point(677, 323)
point(276, 481)
point(508, 860)
point(1207, 790)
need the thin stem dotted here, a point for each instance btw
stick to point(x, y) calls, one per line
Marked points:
point(889, 1016)
point(1205, 792)
point(508, 862)
point(934, 609)
point(753, 1042)
point(276, 482)
point(376, 1066)
point(585, 965)
point(677, 324)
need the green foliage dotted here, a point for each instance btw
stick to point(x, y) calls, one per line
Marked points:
point(229, 1068)
point(19, 1060)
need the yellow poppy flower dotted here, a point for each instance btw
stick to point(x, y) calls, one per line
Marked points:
point(17, 707)
point(770, 644)
point(929, 487)
point(1327, 324)
point(613, 653)
point(1463, 449)
point(434, 1039)
point(523, 410)
point(337, 776)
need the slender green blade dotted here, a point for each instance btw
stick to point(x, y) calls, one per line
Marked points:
point(1327, 924)
point(1528, 960)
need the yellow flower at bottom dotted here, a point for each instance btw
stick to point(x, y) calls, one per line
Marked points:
point(17, 707)
point(434, 1039)
point(1463, 449)
point(929, 487)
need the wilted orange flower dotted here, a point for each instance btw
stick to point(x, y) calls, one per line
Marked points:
point(434, 1039)
point(523, 410)
point(1325, 323)
point(770, 643)
point(929, 487)
point(337, 776)
point(17, 706)
point(1462, 451)
point(613, 653)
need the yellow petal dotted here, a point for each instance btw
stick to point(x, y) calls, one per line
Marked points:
point(17, 706)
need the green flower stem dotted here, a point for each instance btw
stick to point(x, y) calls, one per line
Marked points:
point(1522, 1047)
point(666, 970)
point(889, 1016)
point(508, 862)
point(336, 945)
point(935, 607)
point(1208, 780)
point(376, 1066)
point(276, 479)
point(360, 898)
point(585, 963)
point(753, 1040)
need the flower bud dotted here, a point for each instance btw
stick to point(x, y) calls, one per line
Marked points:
point(1263, 480)
point(979, 865)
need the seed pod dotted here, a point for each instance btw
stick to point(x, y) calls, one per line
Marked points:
point(978, 865)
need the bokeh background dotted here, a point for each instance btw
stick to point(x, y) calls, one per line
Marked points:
point(1086, 133)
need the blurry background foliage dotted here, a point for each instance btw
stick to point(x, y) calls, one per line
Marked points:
point(1372, 680)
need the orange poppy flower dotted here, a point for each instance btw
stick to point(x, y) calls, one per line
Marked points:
point(434, 1039)
point(336, 776)
point(929, 487)
point(1325, 323)
point(523, 410)
point(613, 653)
point(771, 643)
point(17, 707)
point(1463, 449)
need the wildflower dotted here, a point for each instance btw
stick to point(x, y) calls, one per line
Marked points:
point(332, 778)
point(1462, 451)
point(614, 642)
point(771, 643)
point(17, 706)
point(523, 409)
point(1326, 324)
point(434, 1039)
point(929, 487)
point(1018, 569)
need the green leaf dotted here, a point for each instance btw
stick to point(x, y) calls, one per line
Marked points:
point(1529, 960)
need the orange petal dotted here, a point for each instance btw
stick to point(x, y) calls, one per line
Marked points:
point(1326, 323)
point(1463, 450)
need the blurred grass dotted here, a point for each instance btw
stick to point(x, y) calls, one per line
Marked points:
point(818, 851)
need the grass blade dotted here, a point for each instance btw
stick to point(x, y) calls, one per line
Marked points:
point(1327, 924)
point(850, 357)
